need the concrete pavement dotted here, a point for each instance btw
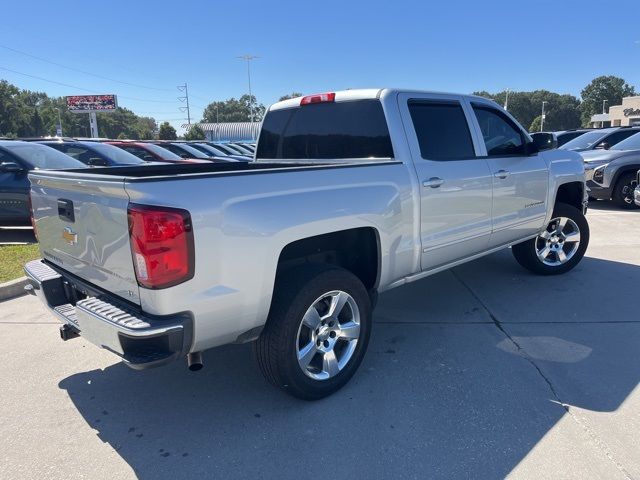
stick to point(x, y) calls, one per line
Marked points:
point(485, 371)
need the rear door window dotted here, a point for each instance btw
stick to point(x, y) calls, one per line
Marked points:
point(442, 130)
point(336, 130)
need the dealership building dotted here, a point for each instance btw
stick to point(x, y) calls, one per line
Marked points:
point(620, 115)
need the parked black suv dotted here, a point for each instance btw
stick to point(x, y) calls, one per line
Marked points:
point(16, 160)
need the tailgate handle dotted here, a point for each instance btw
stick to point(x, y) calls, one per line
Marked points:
point(65, 210)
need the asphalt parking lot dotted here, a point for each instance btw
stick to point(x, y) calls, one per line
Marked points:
point(485, 371)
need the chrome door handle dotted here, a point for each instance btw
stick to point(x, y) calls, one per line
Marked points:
point(433, 182)
point(502, 174)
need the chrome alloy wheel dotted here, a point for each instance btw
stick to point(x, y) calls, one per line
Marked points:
point(559, 242)
point(328, 335)
point(627, 192)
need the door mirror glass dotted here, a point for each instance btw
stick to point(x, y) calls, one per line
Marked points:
point(544, 141)
point(10, 167)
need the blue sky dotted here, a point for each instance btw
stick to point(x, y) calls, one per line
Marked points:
point(309, 47)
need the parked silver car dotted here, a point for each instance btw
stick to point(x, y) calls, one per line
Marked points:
point(611, 174)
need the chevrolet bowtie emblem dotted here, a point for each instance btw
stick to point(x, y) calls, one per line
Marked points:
point(69, 236)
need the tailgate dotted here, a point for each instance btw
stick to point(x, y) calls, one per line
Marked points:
point(82, 227)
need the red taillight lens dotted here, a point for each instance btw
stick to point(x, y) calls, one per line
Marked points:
point(161, 244)
point(318, 98)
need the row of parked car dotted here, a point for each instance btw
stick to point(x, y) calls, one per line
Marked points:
point(611, 160)
point(19, 157)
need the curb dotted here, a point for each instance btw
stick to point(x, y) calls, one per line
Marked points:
point(13, 288)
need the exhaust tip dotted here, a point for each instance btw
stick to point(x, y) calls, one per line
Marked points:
point(194, 361)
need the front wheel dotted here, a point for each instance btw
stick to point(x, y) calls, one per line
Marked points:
point(623, 191)
point(559, 247)
point(317, 331)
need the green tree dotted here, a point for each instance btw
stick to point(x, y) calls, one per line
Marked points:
point(291, 95)
point(561, 111)
point(536, 125)
point(195, 133)
point(233, 110)
point(167, 132)
point(609, 88)
point(146, 127)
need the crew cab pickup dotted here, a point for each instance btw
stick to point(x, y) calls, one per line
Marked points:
point(350, 194)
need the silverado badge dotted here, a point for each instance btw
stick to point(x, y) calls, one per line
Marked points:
point(69, 236)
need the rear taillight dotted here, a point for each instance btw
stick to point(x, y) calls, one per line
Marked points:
point(33, 222)
point(318, 98)
point(161, 245)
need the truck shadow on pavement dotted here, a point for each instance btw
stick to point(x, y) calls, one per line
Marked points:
point(462, 379)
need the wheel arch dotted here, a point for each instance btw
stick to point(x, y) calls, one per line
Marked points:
point(571, 193)
point(355, 249)
point(634, 168)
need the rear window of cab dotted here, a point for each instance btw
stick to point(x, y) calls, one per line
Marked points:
point(332, 130)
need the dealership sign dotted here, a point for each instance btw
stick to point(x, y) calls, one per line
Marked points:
point(92, 103)
point(628, 112)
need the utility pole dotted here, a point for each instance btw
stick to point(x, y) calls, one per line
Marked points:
point(248, 59)
point(183, 88)
point(506, 101)
point(542, 117)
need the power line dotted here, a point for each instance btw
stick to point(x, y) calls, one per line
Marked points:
point(80, 88)
point(84, 71)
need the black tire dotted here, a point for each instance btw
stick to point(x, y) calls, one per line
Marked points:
point(276, 348)
point(623, 191)
point(525, 252)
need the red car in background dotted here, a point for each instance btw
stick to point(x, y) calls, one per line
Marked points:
point(152, 153)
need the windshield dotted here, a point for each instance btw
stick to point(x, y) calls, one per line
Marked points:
point(585, 140)
point(162, 152)
point(225, 149)
point(42, 157)
point(210, 149)
point(115, 154)
point(631, 143)
point(195, 153)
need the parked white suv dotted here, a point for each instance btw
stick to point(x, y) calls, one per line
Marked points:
point(352, 193)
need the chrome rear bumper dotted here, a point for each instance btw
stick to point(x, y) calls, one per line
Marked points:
point(142, 341)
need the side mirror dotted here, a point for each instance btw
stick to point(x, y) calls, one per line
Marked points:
point(184, 155)
point(97, 162)
point(544, 141)
point(10, 167)
point(603, 146)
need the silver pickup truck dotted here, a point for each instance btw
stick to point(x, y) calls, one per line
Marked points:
point(351, 193)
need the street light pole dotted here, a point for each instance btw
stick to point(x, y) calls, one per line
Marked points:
point(542, 117)
point(59, 123)
point(506, 101)
point(248, 58)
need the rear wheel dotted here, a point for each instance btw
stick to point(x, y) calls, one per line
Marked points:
point(317, 331)
point(559, 247)
point(623, 191)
